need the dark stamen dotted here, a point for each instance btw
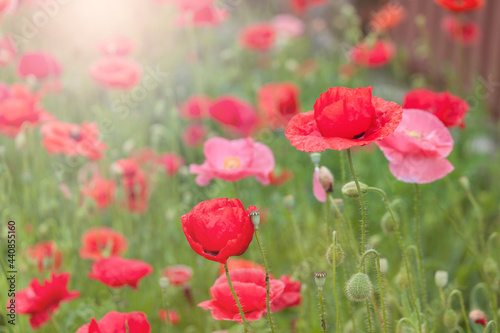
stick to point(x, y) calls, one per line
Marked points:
point(212, 253)
point(359, 135)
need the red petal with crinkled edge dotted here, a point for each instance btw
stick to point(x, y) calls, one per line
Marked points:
point(303, 132)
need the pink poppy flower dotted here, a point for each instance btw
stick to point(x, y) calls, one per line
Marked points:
point(7, 51)
point(290, 297)
point(171, 162)
point(101, 190)
point(116, 322)
point(116, 72)
point(465, 33)
point(235, 113)
point(250, 286)
point(373, 55)
point(72, 139)
point(116, 45)
point(318, 190)
point(46, 255)
point(288, 26)
point(195, 107)
point(18, 107)
point(194, 135)
point(39, 65)
point(232, 160)
point(418, 148)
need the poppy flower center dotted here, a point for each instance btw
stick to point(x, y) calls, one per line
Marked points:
point(75, 134)
point(414, 134)
point(231, 163)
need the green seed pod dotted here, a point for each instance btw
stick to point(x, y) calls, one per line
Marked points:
point(490, 267)
point(339, 254)
point(163, 282)
point(450, 319)
point(320, 279)
point(441, 279)
point(359, 287)
point(255, 218)
point(351, 191)
point(315, 158)
point(387, 224)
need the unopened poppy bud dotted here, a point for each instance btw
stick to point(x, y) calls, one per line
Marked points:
point(315, 158)
point(441, 279)
point(384, 265)
point(358, 288)
point(339, 254)
point(374, 241)
point(325, 178)
point(255, 218)
point(163, 282)
point(450, 319)
point(464, 181)
point(320, 279)
point(478, 317)
point(351, 191)
point(387, 224)
point(289, 202)
point(490, 268)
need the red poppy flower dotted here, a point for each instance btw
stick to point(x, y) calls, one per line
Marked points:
point(116, 322)
point(279, 102)
point(450, 109)
point(41, 300)
point(258, 37)
point(194, 135)
point(116, 72)
point(171, 162)
point(7, 50)
point(234, 264)
point(135, 184)
point(464, 33)
point(117, 272)
point(234, 113)
point(417, 150)
point(101, 242)
point(18, 107)
point(178, 275)
point(101, 190)
point(278, 180)
point(302, 5)
point(343, 118)
point(373, 55)
point(39, 65)
point(388, 17)
point(72, 139)
point(290, 297)
point(195, 107)
point(460, 5)
point(218, 229)
point(173, 316)
point(46, 256)
point(116, 45)
point(205, 16)
point(250, 286)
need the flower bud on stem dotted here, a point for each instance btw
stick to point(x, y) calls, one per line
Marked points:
point(320, 279)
